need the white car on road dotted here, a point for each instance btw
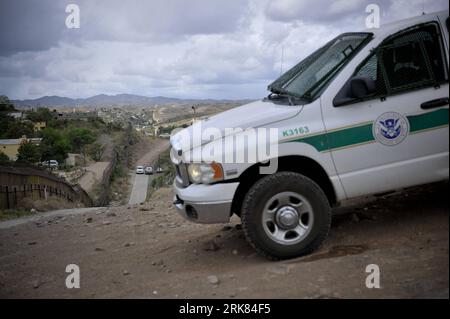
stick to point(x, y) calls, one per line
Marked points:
point(140, 170)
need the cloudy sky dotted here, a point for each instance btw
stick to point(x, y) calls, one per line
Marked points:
point(176, 48)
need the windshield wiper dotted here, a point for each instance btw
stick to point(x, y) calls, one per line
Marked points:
point(284, 94)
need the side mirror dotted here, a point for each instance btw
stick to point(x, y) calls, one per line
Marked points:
point(354, 89)
point(361, 86)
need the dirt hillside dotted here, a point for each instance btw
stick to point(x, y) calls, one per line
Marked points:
point(148, 251)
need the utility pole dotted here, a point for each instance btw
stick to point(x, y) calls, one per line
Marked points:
point(193, 108)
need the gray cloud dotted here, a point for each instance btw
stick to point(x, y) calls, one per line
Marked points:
point(30, 25)
point(196, 48)
point(335, 12)
point(316, 11)
point(140, 19)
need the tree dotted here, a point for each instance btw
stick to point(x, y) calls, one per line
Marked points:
point(17, 129)
point(5, 122)
point(54, 145)
point(4, 159)
point(96, 151)
point(5, 104)
point(42, 114)
point(79, 137)
point(12, 128)
point(29, 153)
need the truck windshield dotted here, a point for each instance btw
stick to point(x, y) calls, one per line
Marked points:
point(309, 78)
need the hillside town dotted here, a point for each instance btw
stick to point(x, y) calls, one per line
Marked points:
point(96, 148)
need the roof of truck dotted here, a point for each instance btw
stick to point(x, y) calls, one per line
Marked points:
point(396, 26)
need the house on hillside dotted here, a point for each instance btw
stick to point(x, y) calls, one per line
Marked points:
point(39, 126)
point(81, 116)
point(16, 115)
point(11, 146)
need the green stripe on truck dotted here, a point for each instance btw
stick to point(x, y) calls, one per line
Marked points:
point(362, 134)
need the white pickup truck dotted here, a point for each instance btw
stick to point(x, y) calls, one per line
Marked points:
point(365, 114)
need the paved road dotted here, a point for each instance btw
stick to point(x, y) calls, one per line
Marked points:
point(140, 182)
point(139, 191)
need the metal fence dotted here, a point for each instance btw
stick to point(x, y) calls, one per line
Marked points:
point(18, 183)
point(103, 199)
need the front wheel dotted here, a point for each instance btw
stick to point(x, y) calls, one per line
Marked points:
point(285, 215)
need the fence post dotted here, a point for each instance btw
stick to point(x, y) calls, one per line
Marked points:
point(7, 198)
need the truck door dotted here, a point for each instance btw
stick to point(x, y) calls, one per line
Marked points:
point(396, 134)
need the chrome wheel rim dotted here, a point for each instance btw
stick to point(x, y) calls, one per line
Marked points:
point(287, 218)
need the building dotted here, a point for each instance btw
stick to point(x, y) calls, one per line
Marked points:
point(11, 146)
point(81, 116)
point(39, 126)
point(16, 115)
point(73, 159)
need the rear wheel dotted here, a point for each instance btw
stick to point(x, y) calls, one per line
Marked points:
point(285, 215)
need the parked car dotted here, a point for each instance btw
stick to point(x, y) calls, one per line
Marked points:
point(149, 170)
point(366, 114)
point(50, 163)
point(159, 170)
point(140, 170)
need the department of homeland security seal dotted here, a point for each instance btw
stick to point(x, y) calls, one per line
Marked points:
point(390, 128)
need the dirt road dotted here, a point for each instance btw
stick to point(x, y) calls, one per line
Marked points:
point(149, 251)
point(93, 175)
point(151, 150)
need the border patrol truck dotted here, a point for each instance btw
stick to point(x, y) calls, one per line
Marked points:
point(365, 114)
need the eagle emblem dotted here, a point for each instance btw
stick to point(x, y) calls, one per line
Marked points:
point(390, 128)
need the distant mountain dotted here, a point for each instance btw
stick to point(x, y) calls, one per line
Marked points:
point(103, 100)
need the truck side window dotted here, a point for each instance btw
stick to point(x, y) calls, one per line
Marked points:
point(405, 66)
point(371, 69)
point(410, 60)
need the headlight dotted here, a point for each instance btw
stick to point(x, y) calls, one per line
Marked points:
point(205, 173)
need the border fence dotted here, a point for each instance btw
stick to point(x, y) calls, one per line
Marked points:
point(18, 183)
point(103, 199)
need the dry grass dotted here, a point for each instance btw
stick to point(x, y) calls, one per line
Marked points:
point(13, 213)
point(42, 205)
point(120, 189)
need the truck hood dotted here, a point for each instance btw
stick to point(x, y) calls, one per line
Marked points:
point(256, 114)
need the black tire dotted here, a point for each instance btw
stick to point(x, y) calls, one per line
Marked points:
point(258, 196)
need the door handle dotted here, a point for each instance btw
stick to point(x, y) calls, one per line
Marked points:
point(434, 103)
